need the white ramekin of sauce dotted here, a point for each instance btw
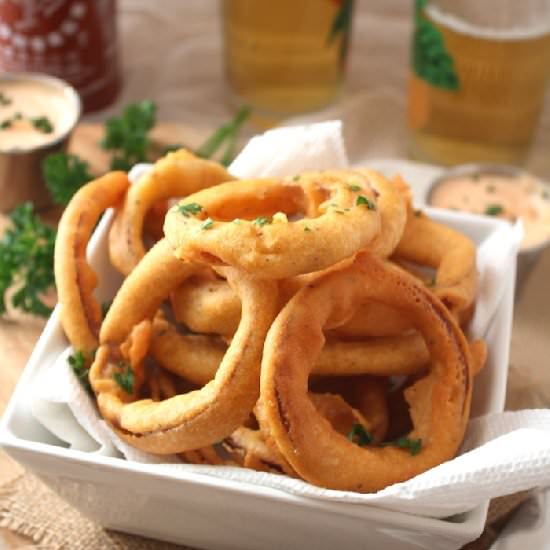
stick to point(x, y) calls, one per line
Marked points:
point(501, 191)
point(37, 115)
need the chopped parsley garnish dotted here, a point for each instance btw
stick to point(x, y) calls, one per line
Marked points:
point(4, 99)
point(353, 187)
point(207, 224)
point(125, 378)
point(359, 435)
point(42, 124)
point(307, 229)
point(494, 210)
point(6, 123)
point(295, 178)
point(366, 201)
point(190, 209)
point(77, 362)
point(414, 446)
point(260, 221)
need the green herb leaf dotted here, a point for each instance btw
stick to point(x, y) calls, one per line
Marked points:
point(366, 201)
point(414, 446)
point(353, 187)
point(125, 377)
point(359, 435)
point(226, 133)
point(6, 123)
point(77, 362)
point(65, 175)
point(207, 224)
point(42, 124)
point(260, 221)
point(26, 261)
point(296, 178)
point(494, 210)
point(190, 209)
point(127, 135)
point(307, 229)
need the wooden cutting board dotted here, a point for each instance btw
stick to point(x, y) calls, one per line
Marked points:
point(18, 336)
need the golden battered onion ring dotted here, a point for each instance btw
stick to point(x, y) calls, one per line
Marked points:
point(80, 313)
point(195, 357)
point(439, 402)
point(177, 174)
point(451, 253)
point(335, 229)
point(198, 418)
point(207, 305)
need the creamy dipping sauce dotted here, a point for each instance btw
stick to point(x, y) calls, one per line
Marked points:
point(501, 196)
point(34, 112)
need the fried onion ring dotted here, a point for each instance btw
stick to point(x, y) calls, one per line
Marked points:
point(79, 311)
point(178, 174)
point(273, 247)
point(452, 254)
point(198, 418)
point(439, 402)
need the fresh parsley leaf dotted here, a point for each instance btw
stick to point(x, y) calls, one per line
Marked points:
point(64, 175)
point(260, 221)
point(207, 224)
point(414, 446)
point(307, 229)
point(359, 435)
point(127, 135)
point(5, 124)
point(494, 210)
point(77, 361)
point(125, 377)
point(26, 261)
point(42, 124)
point(366, 201)
point(353, 187)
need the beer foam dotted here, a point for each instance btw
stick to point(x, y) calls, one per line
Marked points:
point(459, 25)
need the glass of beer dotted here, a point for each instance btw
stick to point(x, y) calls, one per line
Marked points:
point(285, 57)
point(479, 72)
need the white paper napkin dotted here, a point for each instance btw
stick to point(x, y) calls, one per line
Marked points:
point(502, 453)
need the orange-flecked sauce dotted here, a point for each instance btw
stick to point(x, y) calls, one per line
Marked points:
point(506, 197)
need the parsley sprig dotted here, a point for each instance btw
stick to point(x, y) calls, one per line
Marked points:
point(414, 446)
point(190, 209)
point(26, 261)
point(64, 175)
point(127, 137)
point(362, 200)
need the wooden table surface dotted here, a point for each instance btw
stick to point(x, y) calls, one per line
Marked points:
point(530, 342)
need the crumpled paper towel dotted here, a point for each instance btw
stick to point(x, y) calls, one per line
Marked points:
point(502, 453)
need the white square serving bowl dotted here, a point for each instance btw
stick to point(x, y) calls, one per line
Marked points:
point(207, 512)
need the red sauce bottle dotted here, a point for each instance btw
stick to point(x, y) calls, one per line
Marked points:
point(75, 40)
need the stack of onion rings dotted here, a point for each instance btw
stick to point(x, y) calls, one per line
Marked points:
point(207, 348)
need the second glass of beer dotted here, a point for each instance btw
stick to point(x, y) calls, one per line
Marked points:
point(479, 73)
